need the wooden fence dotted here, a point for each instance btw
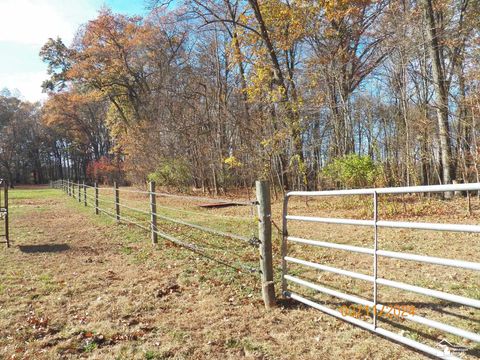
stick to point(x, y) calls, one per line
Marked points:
point(4, 211)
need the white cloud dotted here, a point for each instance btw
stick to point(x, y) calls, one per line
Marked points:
point(26, 25)
point(28, 83)
point(34, 21)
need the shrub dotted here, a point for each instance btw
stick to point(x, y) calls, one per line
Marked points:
point(353, 171)
point(174, 172)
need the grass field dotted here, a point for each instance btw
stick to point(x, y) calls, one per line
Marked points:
point(76, 285)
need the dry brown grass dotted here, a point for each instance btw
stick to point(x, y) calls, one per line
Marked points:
point(111, 295)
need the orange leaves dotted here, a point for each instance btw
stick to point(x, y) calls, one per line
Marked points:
point(107, 53)
point(105, 170)
point(78, 115)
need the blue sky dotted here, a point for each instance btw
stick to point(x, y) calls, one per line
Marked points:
point(25, 25)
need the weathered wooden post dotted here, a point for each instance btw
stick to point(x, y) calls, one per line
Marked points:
point(265, 237)
point(96, 198)
point(153, 212)
point(7, 230)
point(79, 192)
point(84, 194)
point(4, 210)
point(117, 201)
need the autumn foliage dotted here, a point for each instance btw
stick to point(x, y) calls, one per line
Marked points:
point(106, 171)
point(283, 87)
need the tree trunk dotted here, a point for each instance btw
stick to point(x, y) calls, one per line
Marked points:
point(441, 96)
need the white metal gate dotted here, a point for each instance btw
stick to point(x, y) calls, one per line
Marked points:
point(375, 223)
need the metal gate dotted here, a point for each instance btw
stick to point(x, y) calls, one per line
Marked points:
point(375, 252)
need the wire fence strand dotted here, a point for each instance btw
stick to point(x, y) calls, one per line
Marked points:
point(202, 213)
point(204, 228)
point(90, 200)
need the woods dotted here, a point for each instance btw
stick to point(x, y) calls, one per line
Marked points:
point(215, 94)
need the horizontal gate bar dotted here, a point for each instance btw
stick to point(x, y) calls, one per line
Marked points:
point(429, 226)
point(390, 254)
point(401, 339)
point(395, 284)
point(331, 220)
point(390, 224)
point(391, 190)
point(430, 260)
point(338, 294)
point(387, 309)
point(331, 245)
point(429, 292)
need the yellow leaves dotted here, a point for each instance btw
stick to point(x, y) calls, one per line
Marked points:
point(260, 82)
point(286, 22)
point(265, 142)
point(335, 10)
point(276, 143)
point(233, 162)
point(261, 85)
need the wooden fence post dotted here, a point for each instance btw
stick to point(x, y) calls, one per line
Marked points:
point(117, 201)
point(96, 198)
point(265, 237)
point(153, 212)
point(5, 197)
point(84, 194)
point(79, 192)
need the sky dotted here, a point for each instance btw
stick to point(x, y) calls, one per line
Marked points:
point(25, 25)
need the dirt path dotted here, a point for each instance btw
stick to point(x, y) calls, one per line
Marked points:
point(78, 286)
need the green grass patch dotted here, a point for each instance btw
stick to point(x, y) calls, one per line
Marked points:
point(33, 194)
point(90, 347)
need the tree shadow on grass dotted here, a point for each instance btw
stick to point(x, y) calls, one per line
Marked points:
point(46, 248)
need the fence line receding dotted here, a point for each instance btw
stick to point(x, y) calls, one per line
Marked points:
point(144, 210)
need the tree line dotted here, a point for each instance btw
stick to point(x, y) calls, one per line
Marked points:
point(306, 93)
